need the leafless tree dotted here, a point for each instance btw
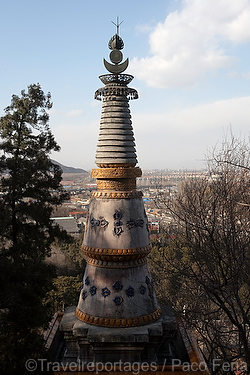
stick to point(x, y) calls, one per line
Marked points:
point(206, 267)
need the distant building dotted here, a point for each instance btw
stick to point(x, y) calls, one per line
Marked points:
point(78, 214)
point(67, 223)
point(153, 225)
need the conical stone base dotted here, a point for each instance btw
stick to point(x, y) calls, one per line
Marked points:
point(117, 290)
point(113, 297)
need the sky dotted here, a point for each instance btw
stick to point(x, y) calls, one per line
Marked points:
point(190, 60)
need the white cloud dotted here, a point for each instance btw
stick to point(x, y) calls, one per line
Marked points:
point(95, 103)
point(190, 42)
point(75, 112)
point(53, 112)
point(78, 143)
point(219, 114)
point(246, 75)
point(233, 74)
point(181, 138)
point(236, 22)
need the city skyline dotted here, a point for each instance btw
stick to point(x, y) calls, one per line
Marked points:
point(190, 60)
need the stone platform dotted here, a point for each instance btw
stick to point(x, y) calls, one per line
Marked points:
point(159, 342)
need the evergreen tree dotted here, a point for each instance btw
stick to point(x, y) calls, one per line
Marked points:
point(30, 188)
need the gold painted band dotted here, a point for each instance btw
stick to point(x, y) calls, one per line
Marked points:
point(116, 255)
point(114, 165)
point(109, 173)
point(108, 264)
point(126, 184)
point(117, 194)
point(109, 322)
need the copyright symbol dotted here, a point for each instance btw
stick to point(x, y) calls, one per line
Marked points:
point(31, 365)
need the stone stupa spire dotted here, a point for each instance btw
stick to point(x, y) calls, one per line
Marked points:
point(117, 289)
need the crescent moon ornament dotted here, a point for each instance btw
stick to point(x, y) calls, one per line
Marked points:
point(117, 68)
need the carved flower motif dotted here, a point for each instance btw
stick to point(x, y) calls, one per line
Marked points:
point(84, 295)
point(117, 286)
point(104, 223)
point(150, 290)
point(92, 290)
point(117, 215)
point(94, 222)
point(105, 292)
point(142, 289)
point(118, 300)
point(118, 231)
point(135, 223)
point(139, 222)
point(130, 224)
point(130, 291)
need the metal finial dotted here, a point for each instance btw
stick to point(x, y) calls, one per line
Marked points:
point(117, 24)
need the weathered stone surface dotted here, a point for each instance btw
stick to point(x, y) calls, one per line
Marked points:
point(118, 293)
point(115, 125)
point(66, 326)
point(157, 342)
point(116, 155)
point(118, 143)
point(115, 160)
point(106, 160)
point(127, 209)
point(112, 114)
point(120, 131)
point(118, 335)
point(115, 148)
point(108, 123)
point(115, 120)
point(119, 101)
point(68, 319)
point(118, 137)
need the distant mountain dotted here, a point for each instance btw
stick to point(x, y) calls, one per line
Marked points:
point(69, 169)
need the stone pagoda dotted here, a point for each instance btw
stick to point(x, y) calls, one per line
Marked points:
point(117, 317)
point(117, 287)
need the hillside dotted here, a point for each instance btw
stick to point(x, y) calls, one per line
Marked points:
point(69, 169)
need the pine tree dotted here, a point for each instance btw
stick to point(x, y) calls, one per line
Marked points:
point(30, 189)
